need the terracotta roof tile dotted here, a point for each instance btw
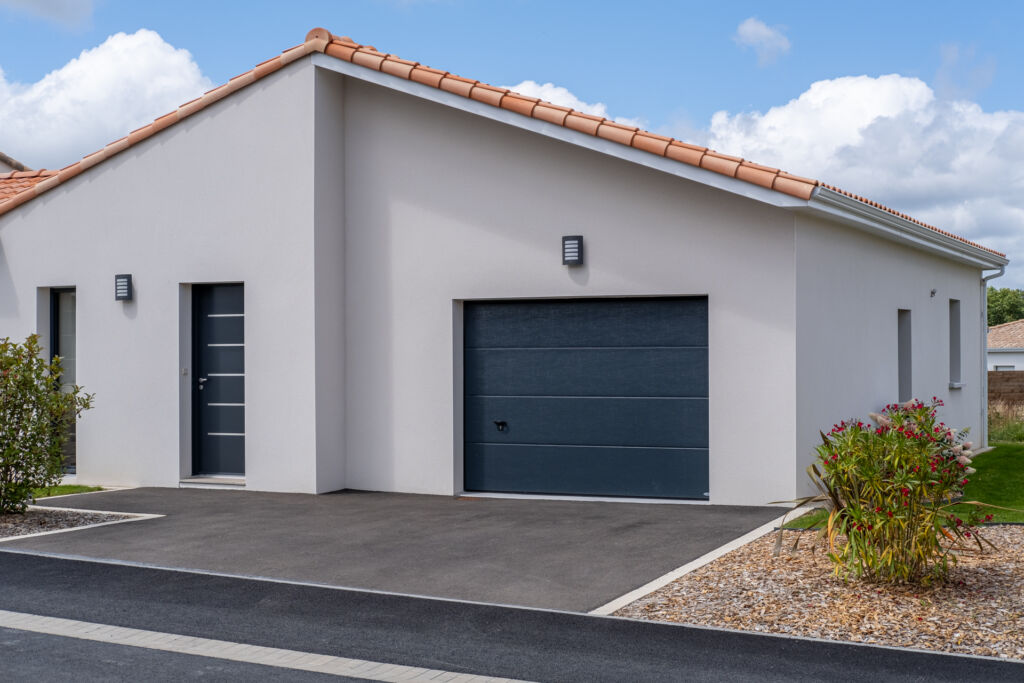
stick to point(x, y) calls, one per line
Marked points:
point(487, 94)
point(367, 59)
point(520, 104)
point(1007, 336)
point(649, 142)
point(585, 123)
point(367, 56)
point(552, 113)
point(15, 182)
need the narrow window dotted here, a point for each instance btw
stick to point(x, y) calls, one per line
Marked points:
point(1004, 367)
point(954, 342)
point(904, 357)
point(62, 343)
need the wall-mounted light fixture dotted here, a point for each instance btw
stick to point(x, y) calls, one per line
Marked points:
point(572, 250)
point(123, 287)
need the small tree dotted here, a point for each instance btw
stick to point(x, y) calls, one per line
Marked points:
point(36, 413)
point(1004, 305)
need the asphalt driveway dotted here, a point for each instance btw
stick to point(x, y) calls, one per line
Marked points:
point(569, 555)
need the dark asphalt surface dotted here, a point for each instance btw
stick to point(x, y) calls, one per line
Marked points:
point(570, 555)
point(483, 639)
point(26, 656)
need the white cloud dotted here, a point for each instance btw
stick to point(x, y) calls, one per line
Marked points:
point(67, 12)
point(96, 98)
point(768, 42)
point(556, 94)
point(946, 162)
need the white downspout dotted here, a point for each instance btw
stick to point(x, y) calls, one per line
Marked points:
point(983, 423)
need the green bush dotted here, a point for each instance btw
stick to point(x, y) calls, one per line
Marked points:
point(35, 415)
point(889, 489)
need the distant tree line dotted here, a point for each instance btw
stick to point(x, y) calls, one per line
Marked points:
point(1005, 305)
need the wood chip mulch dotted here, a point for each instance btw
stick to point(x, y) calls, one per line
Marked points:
point(979, 610)
point(35, 520)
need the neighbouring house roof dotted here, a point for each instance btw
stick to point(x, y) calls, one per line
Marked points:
point(13, 163)
point(1007, 336)
point(15, 182)
point(344, 48)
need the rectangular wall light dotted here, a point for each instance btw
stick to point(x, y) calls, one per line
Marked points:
point(572, 250)
point(123, 287)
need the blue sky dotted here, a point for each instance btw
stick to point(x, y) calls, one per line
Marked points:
point(940, 108)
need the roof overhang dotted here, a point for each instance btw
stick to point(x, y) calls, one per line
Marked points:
point(855, 213)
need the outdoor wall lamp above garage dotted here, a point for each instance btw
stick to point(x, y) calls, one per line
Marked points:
point(122, 287)
point(572, 250)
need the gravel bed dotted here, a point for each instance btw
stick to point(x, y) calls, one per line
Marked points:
point(36, 520)
point(980, 610)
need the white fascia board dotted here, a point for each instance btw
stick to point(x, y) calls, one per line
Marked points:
point(858, 214)
point(562, 133)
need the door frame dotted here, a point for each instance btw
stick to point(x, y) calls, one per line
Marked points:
point(186, 394)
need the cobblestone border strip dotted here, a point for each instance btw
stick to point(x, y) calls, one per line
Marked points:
point(237, 652)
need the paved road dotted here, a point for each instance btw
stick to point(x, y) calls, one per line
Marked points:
point(26, 656)
point(452, 636)
point(571, 555)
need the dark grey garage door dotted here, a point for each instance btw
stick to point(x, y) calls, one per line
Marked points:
point(600, 397)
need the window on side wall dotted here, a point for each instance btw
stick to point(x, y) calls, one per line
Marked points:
point(1005, 367)
point(904, 359)
point(955, 380)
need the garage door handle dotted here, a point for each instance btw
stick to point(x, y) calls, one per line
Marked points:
point(501, 425)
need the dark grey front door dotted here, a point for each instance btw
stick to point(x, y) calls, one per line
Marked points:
point(603, 397)
point(218, 386)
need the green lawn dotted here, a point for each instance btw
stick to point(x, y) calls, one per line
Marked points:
point(998, 481)
point(63, 490)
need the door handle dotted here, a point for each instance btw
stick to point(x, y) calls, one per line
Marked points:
point(201, 380)
point(501, 425)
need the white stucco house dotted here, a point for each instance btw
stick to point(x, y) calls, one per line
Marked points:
point(1006, 346)
point(347, 270)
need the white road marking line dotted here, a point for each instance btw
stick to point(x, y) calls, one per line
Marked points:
point(223, 649)
point(648, 588)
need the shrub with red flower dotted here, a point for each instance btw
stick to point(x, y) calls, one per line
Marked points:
point(889, 489)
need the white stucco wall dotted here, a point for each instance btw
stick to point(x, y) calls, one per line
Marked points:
point(1009, 357)
point(442, 206)
point(850, 286)
point(224, 196)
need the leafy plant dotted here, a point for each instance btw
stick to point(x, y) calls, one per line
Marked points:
point(35, 415)
point(1004, 305)
point(889, 489)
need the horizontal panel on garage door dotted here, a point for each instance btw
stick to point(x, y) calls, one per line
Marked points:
point(587, 371)
point(587, 396)
point(668, 422)
point(568, 470)
point(587, 322)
